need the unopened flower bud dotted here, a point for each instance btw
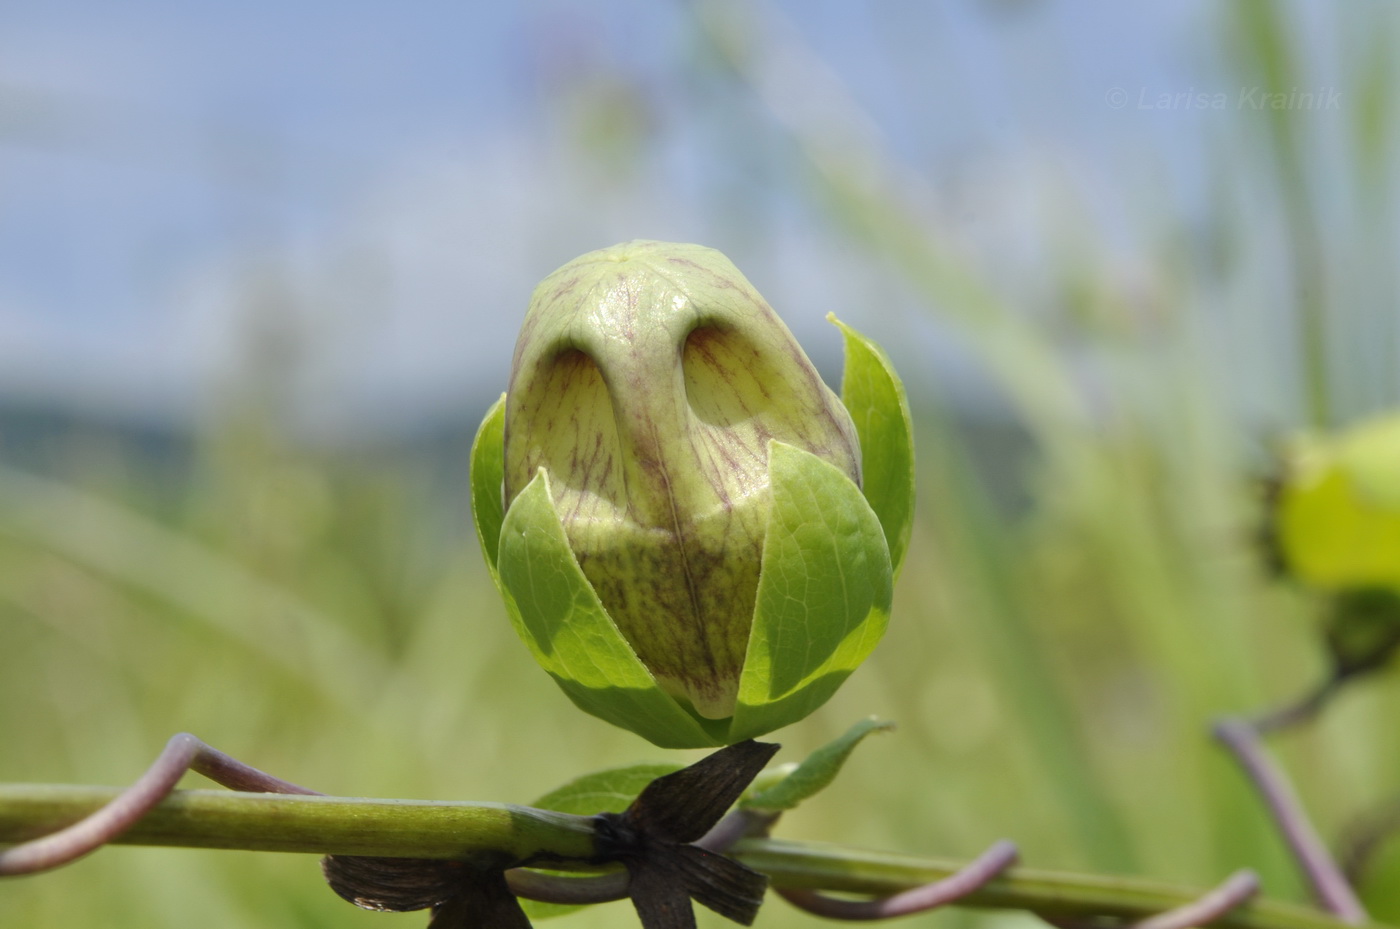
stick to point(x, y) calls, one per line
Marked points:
point(674, 499)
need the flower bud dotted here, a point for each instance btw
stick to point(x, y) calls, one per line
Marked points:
point(679, 530)
point(1338, 515)
point(1336, 529)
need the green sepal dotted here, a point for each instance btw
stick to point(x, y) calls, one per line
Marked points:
point(488, 468)
point(560, 618)
point(874, 396)
point(823, 595)
point(815, 772)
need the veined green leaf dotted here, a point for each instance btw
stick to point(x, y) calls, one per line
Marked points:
point(823, 595)
point(816, 771)
point(874, 396)
point(558, 615)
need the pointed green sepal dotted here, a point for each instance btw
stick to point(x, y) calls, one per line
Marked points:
point(823, 596)
point(558, 615)
point(874, 396)
point(488, 465)
point(815, 773)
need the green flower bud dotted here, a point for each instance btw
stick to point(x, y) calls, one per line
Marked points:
point(1338, 511)
point(1337, 530)
point(669, 498)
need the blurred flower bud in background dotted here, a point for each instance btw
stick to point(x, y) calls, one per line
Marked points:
point(1337, 531)
point(1338, 518)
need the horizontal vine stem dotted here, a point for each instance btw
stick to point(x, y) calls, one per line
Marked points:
point(298, 823)
point(422, 829)
point(819, 866)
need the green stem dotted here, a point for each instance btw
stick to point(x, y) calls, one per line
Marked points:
point(1054, 893)
point(316, 824)
point(421, 829)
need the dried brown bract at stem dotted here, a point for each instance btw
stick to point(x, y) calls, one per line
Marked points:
point(653, 840)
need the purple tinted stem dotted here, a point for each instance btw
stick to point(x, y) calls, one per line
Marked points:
point(99, 828)
point(939, 893)
point(1329, 885)
point(182, 753)
point(1234, 890)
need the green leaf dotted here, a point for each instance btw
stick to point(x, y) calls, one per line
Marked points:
point(559, 616)
point(610, 791)
point(488, 466)
point(817, 771)
point(875, 398)
point(770, 777)
point(823, 595)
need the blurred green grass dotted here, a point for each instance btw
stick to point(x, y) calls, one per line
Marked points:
point(1053, 662)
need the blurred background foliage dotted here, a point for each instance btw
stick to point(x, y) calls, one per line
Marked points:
point(1106, 329)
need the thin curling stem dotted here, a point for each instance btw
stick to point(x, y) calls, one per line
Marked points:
point(569, 891)
point(976, 875)
point(1233, 891)
point(1365, 837)
point(1329, 885)
point(182, 753)
point(93, 831)
point(1207, 908)
point(1301, 710)
point(229, 772)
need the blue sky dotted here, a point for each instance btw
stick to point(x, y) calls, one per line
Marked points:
point(387, 182)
